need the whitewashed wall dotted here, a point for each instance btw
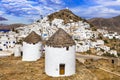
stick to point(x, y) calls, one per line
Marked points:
point(56, 56)
point(31, 52)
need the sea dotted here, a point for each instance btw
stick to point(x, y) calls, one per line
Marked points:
point(3, 30)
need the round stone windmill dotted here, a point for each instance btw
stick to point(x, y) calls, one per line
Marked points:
point(60, 54)
point(32, 47)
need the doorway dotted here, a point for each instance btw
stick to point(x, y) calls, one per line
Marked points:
point(62, 69)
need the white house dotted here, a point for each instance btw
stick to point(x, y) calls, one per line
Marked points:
point(106, 48)
point(31, 47)
point(17, 50)
point(82, 46)
point(60, 55)
point(99, 43)
point(114, 52)
point(7, 42)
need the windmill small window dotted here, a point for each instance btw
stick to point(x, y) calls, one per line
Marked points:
point(67, 48)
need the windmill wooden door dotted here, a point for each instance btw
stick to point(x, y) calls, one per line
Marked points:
point(62, 69)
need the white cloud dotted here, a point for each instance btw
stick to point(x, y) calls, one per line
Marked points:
point(43, 1)
point(57, 1)
point(98, 8)
point(25, 5)
point(107, 2)
point(30, 9)
point(14, 19)
point(1, 12)
point(95, 11)
point(14, 0)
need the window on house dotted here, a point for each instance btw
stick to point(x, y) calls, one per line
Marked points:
point(33, 43)
point(13, 41)
point(45, 34)
point(67, 48)
point(112, 61)
point(0, 49)
point(21, 53)
point(4, 44)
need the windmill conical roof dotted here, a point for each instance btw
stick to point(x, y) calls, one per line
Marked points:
point(33, 38)
point(60, 39)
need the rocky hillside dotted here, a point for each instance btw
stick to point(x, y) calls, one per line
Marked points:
point(65, 15)
point(3, 19)
point(111, 23)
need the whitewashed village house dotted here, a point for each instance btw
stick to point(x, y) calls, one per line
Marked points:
point(7, 42)
point(114, 52)
point(60, 55)
point(82, 46)
point(32, 47)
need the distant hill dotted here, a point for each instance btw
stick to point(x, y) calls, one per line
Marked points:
point(65, 15)
point(112, 24)
point(11, 26)
point(3, 19)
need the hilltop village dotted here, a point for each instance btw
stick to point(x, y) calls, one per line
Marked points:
point(85, 36)
point(59, 37)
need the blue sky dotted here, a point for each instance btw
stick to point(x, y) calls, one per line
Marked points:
point(27, 11)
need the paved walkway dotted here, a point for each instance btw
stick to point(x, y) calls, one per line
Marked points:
point(88, 56)
point(82, 58)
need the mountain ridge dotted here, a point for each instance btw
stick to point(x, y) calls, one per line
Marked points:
point(112, 24)
point(11, 26)
point(3, 19)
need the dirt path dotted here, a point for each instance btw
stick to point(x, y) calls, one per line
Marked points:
point(117, 74)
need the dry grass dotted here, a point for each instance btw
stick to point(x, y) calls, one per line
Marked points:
point(12, 68)
point(100, 74)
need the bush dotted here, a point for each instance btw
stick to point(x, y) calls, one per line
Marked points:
point(102, 50)
point(118, 54)
point(88, 52)
point(113, 48)
point(106, 41)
